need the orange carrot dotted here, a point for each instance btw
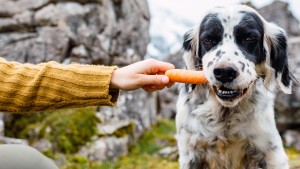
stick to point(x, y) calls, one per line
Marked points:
point(186, 76)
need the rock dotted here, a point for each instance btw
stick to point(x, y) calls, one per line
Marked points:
point(25, 19)
point(56, 44)
point(7, 24)
point(132, 27)
point(169, 152)
point(167, 99)
point(1, 124)
point(20, 22)
point(47, 44)
point(111, 127)
point(10, 8)
point(14, 46)
point(7, 140)
point(47, 16)
point(292, 139)
point(107, 29)
point(31, 5)
point(42, 145)
point(80, 52)
point(107, 148)
point(283, 17)
point(137, 106)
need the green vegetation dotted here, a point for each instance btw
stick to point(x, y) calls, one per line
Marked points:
point(67, 129)
point(143, 155)
point(294, 157)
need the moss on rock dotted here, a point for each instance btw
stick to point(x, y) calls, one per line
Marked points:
point(66, 129)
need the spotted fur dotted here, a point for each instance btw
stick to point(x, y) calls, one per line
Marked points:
point(214, 129)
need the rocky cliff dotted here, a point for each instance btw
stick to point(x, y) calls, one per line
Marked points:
point(94, 31)
point(110, 32)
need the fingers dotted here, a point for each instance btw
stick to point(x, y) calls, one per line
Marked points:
point(170, 84)
point(155, 80)
point(148, 89)
point(156, 66)
point(153, 88)
point(164, 66)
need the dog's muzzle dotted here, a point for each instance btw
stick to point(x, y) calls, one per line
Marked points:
point(224, 74)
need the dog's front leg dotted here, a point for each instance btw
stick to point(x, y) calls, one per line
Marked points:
point(269, 142)
point(189, 159)
point(189, 155)
point(276, 157)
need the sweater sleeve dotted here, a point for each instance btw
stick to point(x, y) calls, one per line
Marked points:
point(46, 86)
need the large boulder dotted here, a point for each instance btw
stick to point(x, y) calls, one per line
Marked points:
point(278, 12)
point(98, 32)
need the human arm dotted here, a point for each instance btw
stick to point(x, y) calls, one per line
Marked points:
point(45, 86)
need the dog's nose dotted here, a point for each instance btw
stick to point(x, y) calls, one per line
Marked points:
point(225, 73)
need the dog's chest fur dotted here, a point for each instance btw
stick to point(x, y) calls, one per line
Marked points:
point(221, 135)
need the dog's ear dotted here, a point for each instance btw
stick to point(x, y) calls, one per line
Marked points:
point(278, 57)
point(191, 50)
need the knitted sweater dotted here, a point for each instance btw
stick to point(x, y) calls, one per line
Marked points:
point(45, 86)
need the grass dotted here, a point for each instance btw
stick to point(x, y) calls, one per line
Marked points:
point(294, 157)
point(66, 129)
point(143, 155)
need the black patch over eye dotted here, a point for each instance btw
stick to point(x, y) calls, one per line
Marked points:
point(249, 35)
point(250, 42)
point(211, 31)
point(209, 42)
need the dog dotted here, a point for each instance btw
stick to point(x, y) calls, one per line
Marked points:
point(229, 123)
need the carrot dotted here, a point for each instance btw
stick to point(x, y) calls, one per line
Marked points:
point(186, 76)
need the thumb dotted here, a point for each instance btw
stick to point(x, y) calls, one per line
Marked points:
point(155, 80)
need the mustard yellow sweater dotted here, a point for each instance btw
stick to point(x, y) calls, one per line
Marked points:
point(28, 87)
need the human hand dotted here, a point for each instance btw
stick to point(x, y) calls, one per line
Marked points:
point(147, 74)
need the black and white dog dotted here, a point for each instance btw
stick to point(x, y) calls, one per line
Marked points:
point(229, 123)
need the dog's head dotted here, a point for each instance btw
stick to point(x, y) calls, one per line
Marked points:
point(235, 46)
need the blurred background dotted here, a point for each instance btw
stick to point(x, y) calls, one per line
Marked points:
point(139, 132)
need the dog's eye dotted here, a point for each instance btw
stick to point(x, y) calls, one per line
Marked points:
point(209, 41)
point(250, 39)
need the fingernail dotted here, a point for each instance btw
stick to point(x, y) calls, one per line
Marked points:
point(165, 80)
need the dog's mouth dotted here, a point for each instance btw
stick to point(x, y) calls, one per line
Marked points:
point(229, 94)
